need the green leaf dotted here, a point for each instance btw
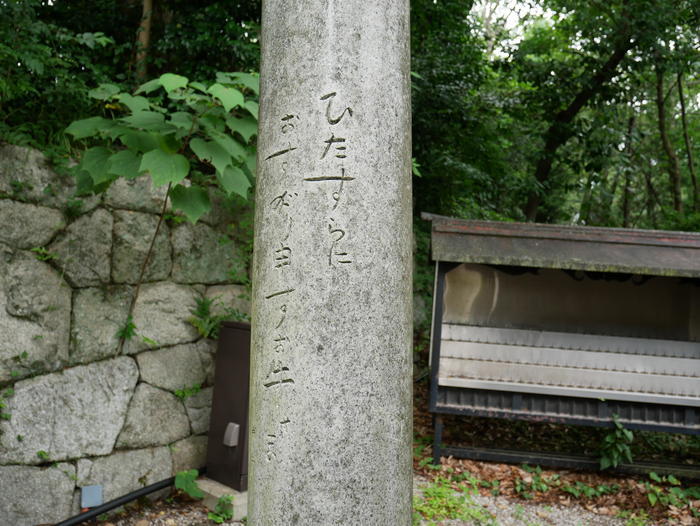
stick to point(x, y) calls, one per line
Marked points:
point(193, 201)
point(605, 462)
point(211, 152)
point(181, 119)
point(165, 167)
point(125, 164)
point(233, 147)
point(104, 92)
point(233, 180)
point(229, 97)
point(245, 126)
point(654, 476)
point(94, 161)
point(187, 482)
point(139, 140)
point(198, 86)
point(250, 81)
point(135, 104)
point(149, 86)
point(88, 127)
point(652, 498)
point(147, 120)
point(83, 183)
point(171, 82)
point(252, 107)
point(251, 162)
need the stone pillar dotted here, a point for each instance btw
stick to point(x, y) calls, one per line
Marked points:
point(330, 414)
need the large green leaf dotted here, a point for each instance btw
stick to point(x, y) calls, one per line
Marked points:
point(171, 82)
point(211, 152)
point(233, 180)
point(245, 126)
point(104, 91)
point(94, 161)
point(149, 86)
point(193, 201)
point(252, 107)
point(229, 97)
point(233, 147)
point(135, 104)
point(250, 81)
point(88, 127)
point(181, 119)
point(139, 140)
point(146, 120)
point(165, 167)
point(125, 164)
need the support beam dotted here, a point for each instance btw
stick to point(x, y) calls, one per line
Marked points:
point(330, 413)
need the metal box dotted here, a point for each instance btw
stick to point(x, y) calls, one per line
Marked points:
point(227, 447)
point(566, 324)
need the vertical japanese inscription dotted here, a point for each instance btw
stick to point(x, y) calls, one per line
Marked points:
point(278, 367)
point(333, 155)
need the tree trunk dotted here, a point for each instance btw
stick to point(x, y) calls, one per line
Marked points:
point(143, 41)
point(627, 190)
point(652, 196)
point(673, 167)
point(688, 146)
point(560, 130)
point(330, 410)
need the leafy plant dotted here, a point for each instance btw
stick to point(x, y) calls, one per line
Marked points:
point(43, 455)
point(206, 322)
point(223, 510)
point(187, 392)
point(128, 331)
point(43, 254)
point(526, 487)
point(440, 501)
point(616, 446)
point(7, 393)
point(184, 134)
point(668, 492)
point(186, 481)
point(580, 489)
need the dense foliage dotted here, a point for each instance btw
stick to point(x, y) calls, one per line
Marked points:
point(550, 110)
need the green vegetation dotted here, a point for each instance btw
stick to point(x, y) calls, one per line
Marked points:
point(441, 501)
point(223, 510)
point(186, 481)
point(207, 322)
point(616, 446)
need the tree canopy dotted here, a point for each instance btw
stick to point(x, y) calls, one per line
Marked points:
point(550, 110)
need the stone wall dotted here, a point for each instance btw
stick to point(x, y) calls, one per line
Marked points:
point(78, 410)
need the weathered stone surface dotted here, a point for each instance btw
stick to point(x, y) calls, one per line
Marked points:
point(189, 453)
point(25, 175)
point(83, 250)
point(98, 313)
point(202, 255)
point(136, 194)
point(26, 225)
point(77, 412)
point(199, 410)
point(155, 418)
point(161, 314)
point(34, 315)
point(133, 232)
point(225, 297)
point(175, 367)
point(32, 495)
point(207, 353)
point(125, 471)
point(331, 341)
